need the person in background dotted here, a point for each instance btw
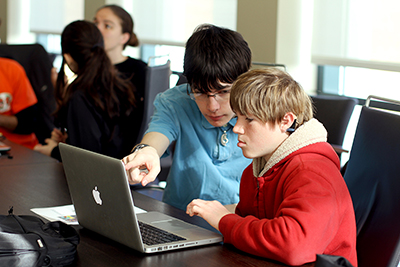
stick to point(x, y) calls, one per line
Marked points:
point(17, 104)
point(294, 203)
point(98, 108)
point(198, 117)
point(116, 26)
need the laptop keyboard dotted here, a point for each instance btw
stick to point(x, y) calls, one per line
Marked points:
point(154, 236)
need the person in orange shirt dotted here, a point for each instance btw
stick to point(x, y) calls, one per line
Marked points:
point(17, 104)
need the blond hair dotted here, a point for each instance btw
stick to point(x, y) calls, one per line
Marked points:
point(268, 94)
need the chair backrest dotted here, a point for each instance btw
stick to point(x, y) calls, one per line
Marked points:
point(157, 81)
point(373, 179)
point(334, 113)
point(36, 62)
point(263, 65)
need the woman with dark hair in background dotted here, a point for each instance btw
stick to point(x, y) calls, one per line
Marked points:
point(116, 26)
point(98, 108)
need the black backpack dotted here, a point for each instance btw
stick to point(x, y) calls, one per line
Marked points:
point(28, 241)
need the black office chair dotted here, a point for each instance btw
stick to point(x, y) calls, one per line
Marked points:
point(157, 81)
point(181, 78)
point(373, 179)
point(37, 64)
point(257, 65)
point(334, 113)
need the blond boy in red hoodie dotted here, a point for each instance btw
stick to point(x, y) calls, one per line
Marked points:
point(294, 203)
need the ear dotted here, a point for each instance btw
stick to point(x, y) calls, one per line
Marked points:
point(287, 121)
point(125, 38)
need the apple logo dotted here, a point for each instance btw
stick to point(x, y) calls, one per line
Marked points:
point(96, 196)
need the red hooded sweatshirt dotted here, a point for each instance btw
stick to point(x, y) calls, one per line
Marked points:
point(296, 205)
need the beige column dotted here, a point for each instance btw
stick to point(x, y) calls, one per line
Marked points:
point(90, 8)
point(280, 31)
point(3, 17)
point(257, 22)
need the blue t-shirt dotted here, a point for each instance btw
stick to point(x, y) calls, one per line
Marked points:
point(202, 167)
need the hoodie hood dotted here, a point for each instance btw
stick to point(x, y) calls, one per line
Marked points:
point(309, 133)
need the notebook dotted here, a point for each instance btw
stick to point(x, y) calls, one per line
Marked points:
point(103, 203)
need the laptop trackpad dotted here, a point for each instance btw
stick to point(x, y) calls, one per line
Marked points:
point(164, 222)
point(172, 225)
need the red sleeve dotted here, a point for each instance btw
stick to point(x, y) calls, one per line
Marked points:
point(304, 223)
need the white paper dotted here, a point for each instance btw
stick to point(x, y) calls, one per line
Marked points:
point(65, 213)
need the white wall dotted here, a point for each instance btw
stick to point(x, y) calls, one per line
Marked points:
point(294, 38)
point(18, 15)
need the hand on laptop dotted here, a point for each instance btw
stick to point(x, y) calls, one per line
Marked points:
point(137, 163)
point(211, 211)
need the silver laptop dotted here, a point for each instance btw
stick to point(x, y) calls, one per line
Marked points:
point(103, 203)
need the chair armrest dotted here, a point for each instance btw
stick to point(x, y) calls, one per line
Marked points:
point(339, 149)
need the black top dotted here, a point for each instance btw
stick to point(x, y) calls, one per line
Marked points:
point(135, 70)
point(86, 124)
point(89, 127)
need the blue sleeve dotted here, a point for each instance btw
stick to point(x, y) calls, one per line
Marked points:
point(170, 112)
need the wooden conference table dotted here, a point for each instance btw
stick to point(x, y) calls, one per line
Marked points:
point(29, 179)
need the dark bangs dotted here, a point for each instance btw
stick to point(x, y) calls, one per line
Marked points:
point(215, 55)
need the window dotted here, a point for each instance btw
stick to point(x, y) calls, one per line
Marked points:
point(51, 16)
point(163, 26)
point(362, 37)
point(356, 45)
point(171, 22)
